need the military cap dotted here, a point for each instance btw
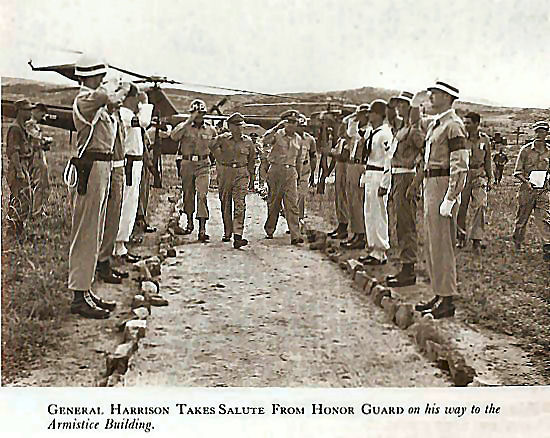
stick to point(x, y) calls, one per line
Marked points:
point(378, 106)
point(541, 124)
point(446, 88)
point(290, 115)
point(41, 106)
point(363, 108)
point(406, 96)
point(302, 120)
point(235, 119)
point(23, 104)
point(88, 65)
point(197, 105)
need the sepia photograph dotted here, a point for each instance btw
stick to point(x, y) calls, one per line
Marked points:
point(274, 194)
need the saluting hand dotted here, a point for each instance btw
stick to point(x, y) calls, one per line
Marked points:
point(382, 191)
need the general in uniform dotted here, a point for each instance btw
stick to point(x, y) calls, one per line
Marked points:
point(235, 155)
point(309, 163)
point(282, 176)
point(474, 194)
point(533, 196)
point(195, 137)
point(445, 168)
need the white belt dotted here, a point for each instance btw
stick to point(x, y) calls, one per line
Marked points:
point(398, 170)
point(117, 163)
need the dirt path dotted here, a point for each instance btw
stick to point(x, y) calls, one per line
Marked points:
point(269, 314)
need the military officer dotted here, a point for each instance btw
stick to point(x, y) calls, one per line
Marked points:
point(309, 164)
point(96, 129)
point(475, 190)
point(285, 165)
point(195, 137)
point(408, 143)
point(446, 159)
point(532, 169)
point(357, 127)
point(235, 155)
point(376, 181)
point(19, 151)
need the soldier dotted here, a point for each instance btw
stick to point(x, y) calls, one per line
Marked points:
point(408, 143)
point(356, 129)
point(40, 180)
point(445, 168)
point(282, 176)
point(475, 189)
point(135, 115)
point(235, 155)
point(500, 159)
point(309, 163)
point(96, 129)
point(532, 169)
point(195, 137)
point(19, 151)
point(376, 181)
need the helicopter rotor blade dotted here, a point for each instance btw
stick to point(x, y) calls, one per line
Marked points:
point(131, 73)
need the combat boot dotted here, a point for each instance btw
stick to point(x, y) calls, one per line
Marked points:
point(105, 273)
point(358, 243)
point(238, 241)
point(101, 303)
point(346, 243)
point(84, 305)
point(341, 228)
point(421, 307)
point(405, 277)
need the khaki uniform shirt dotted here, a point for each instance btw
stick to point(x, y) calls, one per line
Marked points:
point(480, 154)
point(228, 150)
point(89, 102)
point(530, 159)
point(408, 142)
point(441, 131)
point(194, 139)
point(17, 140)
point(285, 149)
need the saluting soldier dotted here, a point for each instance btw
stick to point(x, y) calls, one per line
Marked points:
point(408, 143)
point(532, 169)
point(446, 158)
point(357, 127)
point(309, 164)
point(96, 130)
point(475, 190)
point(19, 151)
point(235, 155)
point(282, 176)
point(195, 137)
point(376, 181)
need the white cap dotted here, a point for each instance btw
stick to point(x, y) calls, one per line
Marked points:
point(446, 88)
point(88, 65)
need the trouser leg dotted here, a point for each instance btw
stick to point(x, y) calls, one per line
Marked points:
point(356, 198)
point(463, 208)
point(290, 202)
point(376, 216)
point(541, 214)
point(144, 190)
point(239, 190)
point(340, 195)
point(405, 213)
point(88, 223)
point(226, 199)
point(440, 238)
point(478, 206)
point(275, 198)
point(202, 179)
point(112, 215)
point(188, 186)
point(130, 195)
point(526, 203)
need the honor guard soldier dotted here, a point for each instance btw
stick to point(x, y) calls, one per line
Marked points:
point(40, 179)
point(357, 127)
point(96, 130)
point(475, 191)
point(376, 180)
point(282, 176)
point(408, 143)
point(533, 169)
point(195, 137)
point(446, 158)
point(235, 155)
point(309, 163)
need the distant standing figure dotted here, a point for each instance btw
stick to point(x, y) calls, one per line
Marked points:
point(500, 159)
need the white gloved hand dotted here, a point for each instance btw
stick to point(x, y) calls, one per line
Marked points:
point(362, 180)
point(446, 207)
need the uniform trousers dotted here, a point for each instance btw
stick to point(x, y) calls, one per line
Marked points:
point(356, 198)
point(340, 195)
point(88, 223)
point(405, 217)
point(474, 196)
point(21, 191)
point(233, 186)
point(40, 181)
point(130, 195)
point(144, 190)
point(498, 173)
point(440, 237)
point(112, 215)
point(534, 201)
point(195, 178)
point(303, 185)
point(282, 183)
point(376, 216)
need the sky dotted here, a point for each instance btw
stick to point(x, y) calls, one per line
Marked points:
point(495, 51)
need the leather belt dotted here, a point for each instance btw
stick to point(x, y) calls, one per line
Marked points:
point(194, 157)
point(374, 168)
point(134, 157)
point(234, 165)
point(432, 173)
point(97, 156)
point(117, 163)
point(400, 170)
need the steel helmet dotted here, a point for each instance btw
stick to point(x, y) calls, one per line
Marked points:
point(197, 105)
point(88, 65)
